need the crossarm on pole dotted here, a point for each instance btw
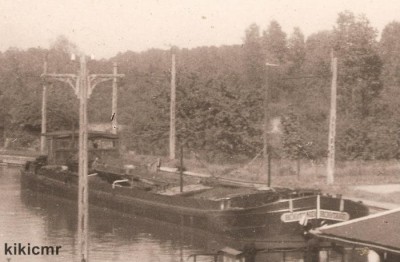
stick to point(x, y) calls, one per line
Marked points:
point(71, 79)
point(95, 79)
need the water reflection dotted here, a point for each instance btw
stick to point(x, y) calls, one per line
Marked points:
point(39, 219)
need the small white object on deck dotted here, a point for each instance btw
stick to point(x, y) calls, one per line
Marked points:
point(116, 182)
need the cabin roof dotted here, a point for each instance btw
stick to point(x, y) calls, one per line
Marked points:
point(91, 134)
point(378, 231)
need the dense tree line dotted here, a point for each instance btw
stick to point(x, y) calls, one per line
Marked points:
point(220, 93)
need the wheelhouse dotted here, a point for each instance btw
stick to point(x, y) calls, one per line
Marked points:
point(63, 146)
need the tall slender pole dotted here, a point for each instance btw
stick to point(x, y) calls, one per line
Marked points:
point(266, 162)
point(172, 135)
point(269, 170)
point(181, 170)
point(266, 146)
point(114, 100)
point(44, 112)
point(83, 213)
point(332, 126)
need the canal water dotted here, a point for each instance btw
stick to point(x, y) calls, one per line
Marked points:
point(44, 220)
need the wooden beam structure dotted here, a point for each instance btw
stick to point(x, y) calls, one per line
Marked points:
point(83, 84)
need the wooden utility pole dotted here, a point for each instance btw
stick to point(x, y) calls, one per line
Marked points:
point(181, 170)
point(114, 100)
point(83, 85)
point(332, 126)
point(83, 203)
point(265, 130)
point(172, 133)
point(266, 147)
point(44, 112)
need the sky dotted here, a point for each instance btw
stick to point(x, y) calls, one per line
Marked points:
point(105, 27)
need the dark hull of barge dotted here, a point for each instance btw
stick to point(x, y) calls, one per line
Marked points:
point(253, 222)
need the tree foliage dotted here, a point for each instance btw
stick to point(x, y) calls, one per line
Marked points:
point(220, 93)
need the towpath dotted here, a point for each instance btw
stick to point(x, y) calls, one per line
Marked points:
point(377, 192)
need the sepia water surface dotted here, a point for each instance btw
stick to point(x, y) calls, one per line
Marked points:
point(38, 219)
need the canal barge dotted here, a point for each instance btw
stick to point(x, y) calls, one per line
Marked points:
point(206, 203)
